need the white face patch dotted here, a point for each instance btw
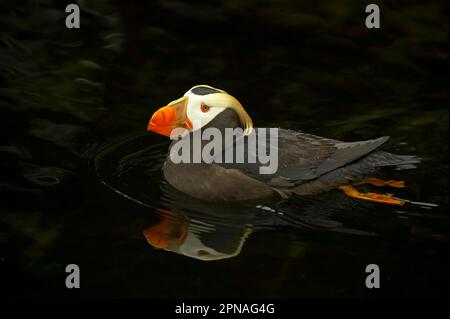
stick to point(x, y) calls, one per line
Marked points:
point(194, 111)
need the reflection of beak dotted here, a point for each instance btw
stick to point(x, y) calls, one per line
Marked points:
point(170, 233)
point(169, 117)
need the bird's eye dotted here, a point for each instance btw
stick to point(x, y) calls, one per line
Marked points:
point(205, 108)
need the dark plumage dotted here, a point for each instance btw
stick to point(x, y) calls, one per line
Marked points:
point(307, 164)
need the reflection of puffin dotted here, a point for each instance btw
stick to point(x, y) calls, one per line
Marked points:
point(214, 231)
point(196, 239)
point(307, 164)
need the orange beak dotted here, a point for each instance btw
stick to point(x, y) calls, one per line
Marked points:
point(169, 117)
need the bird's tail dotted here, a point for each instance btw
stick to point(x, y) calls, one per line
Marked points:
point(381, 159)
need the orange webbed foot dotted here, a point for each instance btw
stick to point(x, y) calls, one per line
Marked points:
point(379, 182)
point(373, 197)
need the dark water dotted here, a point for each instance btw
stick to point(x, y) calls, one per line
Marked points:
point(81, 180)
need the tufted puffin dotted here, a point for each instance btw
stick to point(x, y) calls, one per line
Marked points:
point(306, 164)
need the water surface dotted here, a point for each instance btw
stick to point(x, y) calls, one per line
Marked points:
point(82, 183)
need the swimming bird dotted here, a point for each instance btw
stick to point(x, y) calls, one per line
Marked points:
point(307, 164)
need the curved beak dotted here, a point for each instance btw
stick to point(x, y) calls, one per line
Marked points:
point(169, 117)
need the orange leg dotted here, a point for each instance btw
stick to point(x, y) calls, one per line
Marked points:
point(373, 197)
point(379, 182)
